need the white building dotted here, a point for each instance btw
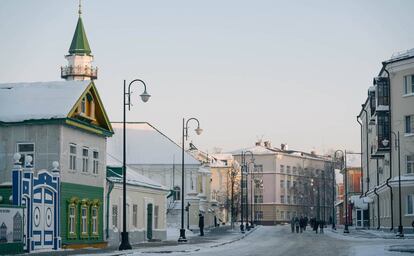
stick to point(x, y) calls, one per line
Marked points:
point(387, 141)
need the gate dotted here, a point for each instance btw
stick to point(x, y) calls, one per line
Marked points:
point(40, 195)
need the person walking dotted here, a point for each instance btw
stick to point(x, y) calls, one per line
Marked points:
point(316, 226)
point(301, 224)
point(306, 222)
point(297, 224)
point(321, 224)
point(292, 224)
point(201, 223)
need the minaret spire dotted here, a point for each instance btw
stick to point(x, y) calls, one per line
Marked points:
point(80, 8)
point(80, 57)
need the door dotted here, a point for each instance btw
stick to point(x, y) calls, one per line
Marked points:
point(359, 218)
point(149, 221)
point(43, 218)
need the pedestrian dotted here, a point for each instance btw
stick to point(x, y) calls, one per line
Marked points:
point(297, 224)
point(321, 224)
point(201, 223)
point(301, 223)
point(306, 222)
point(292, 224)
point(315, 226)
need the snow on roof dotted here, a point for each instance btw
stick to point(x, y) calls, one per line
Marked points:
point(146, 145)
point(402, 54)
point(256, 150)
point(222, 156)
point(133, 177)
point(39, 100)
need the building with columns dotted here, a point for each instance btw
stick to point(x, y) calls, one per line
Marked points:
point(387, 144)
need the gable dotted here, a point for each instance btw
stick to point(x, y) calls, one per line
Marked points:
point(89, 111)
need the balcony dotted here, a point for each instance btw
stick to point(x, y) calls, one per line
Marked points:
point(73, 71)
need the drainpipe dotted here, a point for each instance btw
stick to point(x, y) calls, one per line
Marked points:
point(378, 204)
point(367, 143)
point(362, 171)
point(391, 144)
point(111, 186)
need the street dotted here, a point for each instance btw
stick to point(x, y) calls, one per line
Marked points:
point(278, 240)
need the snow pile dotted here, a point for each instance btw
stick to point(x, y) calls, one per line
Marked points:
point(39, 100)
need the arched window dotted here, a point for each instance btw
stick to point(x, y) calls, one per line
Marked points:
point(177, 193)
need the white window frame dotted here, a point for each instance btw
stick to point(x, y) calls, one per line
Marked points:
point(72, 157)
point(24, 154)
point(94, 218)
point(85, 160)
point(411, 123)
point(84, 220)
point(72, 220)
point(156, 214)
point(95, 162)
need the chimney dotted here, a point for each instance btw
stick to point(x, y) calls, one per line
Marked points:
point(313, 153)
point(267, 144)
point(284, 146)
point(258, 143)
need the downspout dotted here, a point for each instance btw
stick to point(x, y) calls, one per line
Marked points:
point(111, 186)
point(362, 171)
point(378, 201)
point(367, 143)
point(391, 144)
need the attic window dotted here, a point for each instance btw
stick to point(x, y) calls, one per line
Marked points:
point(83, 105)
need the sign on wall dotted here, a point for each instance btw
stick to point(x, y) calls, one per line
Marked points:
point(11, 224)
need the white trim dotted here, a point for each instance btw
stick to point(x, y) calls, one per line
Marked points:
point(408, 95)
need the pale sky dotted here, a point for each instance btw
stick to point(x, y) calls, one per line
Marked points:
point(291, 72)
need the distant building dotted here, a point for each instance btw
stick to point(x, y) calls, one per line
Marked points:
point(290, 183)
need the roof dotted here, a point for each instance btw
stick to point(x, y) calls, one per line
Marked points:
point(256, 150)
point(146, 145)
point(39, 100)
point(80, 44)
point(133, 178)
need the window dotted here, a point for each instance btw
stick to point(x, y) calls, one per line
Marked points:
point(84, 220)
point(177, 194)
point(282, 215)
point(25, 150)
point(156, 216)
point(288, 184)
point(410, 163)
point(282, 183)
point(115, 216)
point(294, 169)
point(95, 169)
point(288, 169)
point(409, 84)
point(382, 91)
point(383, 129)
point(135, 215)
point(259, 215)
point(282, 199)
point(94, 214)
point(72, 220)
point(83, 105)
point(72, 157)
point(258, 168)
point(410, 204)
point(244, 183)
point(258, 199)
point(282, 168)
point(409, 124)
point(85, 159)
point(288, 199)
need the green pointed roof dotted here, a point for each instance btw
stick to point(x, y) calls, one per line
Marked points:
point(79, 43)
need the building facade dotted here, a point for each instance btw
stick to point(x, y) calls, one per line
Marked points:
point(287, 183)
point(387, 144)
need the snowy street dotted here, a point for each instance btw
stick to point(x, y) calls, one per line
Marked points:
point(278, 240)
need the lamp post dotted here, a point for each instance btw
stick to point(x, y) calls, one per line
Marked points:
point(125, 245)
point(385, 142)
point(198, 131)
point(334, 185)
point(233, 175)
point(244, 207)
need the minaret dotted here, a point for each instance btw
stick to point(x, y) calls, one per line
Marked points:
point(79, 58)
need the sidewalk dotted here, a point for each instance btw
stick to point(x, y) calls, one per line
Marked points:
point(214, 237)
point(368, 233)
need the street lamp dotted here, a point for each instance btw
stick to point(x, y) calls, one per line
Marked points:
point(198, 131)
point(385, 142)
point(334, 185)
point(125, 245)
point(244, 171)
point(233, 174)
